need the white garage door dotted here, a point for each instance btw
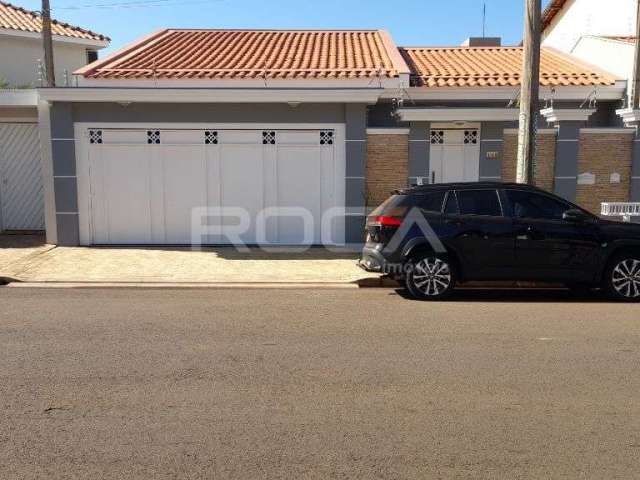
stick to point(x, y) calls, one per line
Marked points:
point(21, 197)
point(259, 185)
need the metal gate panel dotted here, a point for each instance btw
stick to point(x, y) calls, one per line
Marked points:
point(21, 194)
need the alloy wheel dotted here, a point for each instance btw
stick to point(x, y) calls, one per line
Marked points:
point(625, 278)
point(431, 276)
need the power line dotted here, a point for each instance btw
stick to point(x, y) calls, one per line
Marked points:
point(134, 4)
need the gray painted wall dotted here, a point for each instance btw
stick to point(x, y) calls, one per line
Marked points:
point(566, 169)
point(209, 112)
point(356, 192)
point(635, 170)
point(63, 115)
point(492, 140)
point(65, 185)
point(419, 151)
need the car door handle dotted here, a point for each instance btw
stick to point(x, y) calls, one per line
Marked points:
point(531, 233)
point(452, 221)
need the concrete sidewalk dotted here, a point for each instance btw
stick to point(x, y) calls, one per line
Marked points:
point(224, 265)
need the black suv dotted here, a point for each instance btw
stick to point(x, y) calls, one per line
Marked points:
point(435, 236)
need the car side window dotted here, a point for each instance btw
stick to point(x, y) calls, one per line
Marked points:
point(535, 206)
point(479, 202)
point(431, 202)
point(451, 208)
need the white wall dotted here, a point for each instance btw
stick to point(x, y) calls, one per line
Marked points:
point(19, 57)
point(590, 17)
point(613, 56)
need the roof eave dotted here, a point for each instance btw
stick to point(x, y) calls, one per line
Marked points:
point(211, 95)
point(612, 92)
point(89, 42)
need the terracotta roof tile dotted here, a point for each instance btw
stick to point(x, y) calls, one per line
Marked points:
point(245, 54)
point(495, 67)
point(17, 18)
point(550, 12)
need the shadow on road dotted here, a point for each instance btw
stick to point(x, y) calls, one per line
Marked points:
point(522, 295)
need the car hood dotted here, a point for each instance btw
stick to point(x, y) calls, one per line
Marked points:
point(621, 229)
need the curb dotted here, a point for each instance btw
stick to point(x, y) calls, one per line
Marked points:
point(7, 280)
point(380, 282)
point(187, 285)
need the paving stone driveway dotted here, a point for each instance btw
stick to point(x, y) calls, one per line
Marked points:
point(150, 264)
point(16, 251)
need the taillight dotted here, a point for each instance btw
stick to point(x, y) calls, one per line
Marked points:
point(391, 217)
point(384, 221)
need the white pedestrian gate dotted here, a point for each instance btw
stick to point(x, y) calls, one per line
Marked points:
point(454, 155)
point(21, 197)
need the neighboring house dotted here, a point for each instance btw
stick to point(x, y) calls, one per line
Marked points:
point(601, 33)
point(565, 22)
point(277, 120)
point(21, 51)
point(614, 53)
point(21, 201)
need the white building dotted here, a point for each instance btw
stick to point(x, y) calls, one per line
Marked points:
point(597, 32)
point(21, 54)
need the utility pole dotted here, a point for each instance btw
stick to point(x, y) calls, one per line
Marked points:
point(529, 93)
point(47, 44)
point(634, 94)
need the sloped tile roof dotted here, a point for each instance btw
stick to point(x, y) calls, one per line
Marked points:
point(495, 67)
point(550, 12)
point(18, 18)
point(247, 54)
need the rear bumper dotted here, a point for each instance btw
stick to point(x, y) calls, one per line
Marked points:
point(372, 260)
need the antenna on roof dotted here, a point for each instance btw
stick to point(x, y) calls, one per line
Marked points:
point(484, 19)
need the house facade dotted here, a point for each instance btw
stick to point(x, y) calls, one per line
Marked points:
point(602, 34)
point(21, 59)
point(265, 128)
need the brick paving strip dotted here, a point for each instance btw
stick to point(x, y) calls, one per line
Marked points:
point(223, 266)
point(26, 261)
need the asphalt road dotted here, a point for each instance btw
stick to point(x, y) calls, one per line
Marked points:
point(168, 384)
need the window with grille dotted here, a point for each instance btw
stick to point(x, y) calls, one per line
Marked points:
point(326, 137)
point(153, 137)
point(470, 137)
point(95, 136)
point(268, 137)
point(437, 137)
point(210, 137)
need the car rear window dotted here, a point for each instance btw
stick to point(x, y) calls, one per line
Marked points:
point(479, 202)
point(389, 204)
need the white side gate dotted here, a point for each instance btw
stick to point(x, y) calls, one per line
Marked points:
point(21, 197)
point(626, 210)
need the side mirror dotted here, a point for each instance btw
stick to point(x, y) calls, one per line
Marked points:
point(575, 215)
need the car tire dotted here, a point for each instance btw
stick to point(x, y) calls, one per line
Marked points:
point(622, 277)
point(430, 277)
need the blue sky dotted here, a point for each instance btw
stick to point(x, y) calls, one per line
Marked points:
point(411, 22)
